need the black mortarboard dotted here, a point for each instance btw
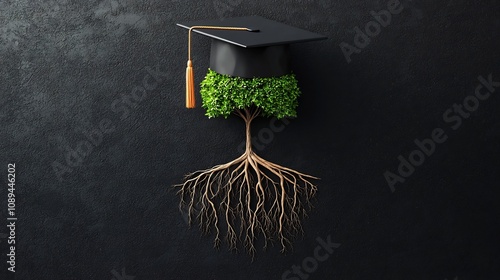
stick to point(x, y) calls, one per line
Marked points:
point(246, 47)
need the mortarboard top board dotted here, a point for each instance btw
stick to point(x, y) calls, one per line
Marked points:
point(261, 51)
point(250, 47)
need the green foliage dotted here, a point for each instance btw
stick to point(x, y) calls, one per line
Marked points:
point(276, 96)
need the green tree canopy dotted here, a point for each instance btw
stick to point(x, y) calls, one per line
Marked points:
point(275, 96)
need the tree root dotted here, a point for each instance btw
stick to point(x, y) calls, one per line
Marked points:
point(247, 197)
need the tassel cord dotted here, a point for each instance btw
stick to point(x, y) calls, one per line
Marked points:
point(190, 96)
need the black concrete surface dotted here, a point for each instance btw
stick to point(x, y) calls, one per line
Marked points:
point(92, 114)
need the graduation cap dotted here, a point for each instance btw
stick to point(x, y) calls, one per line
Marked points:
point(246, 47)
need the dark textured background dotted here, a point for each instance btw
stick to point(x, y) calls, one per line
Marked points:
point(110, 216)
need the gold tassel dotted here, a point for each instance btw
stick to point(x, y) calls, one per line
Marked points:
point(190, 98)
